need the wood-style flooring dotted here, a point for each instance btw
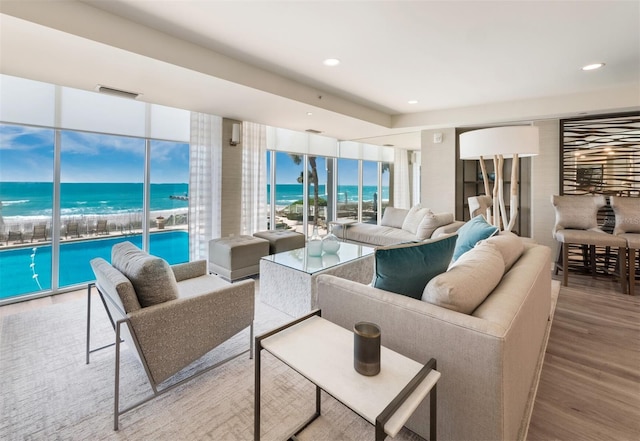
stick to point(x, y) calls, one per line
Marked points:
point(590, 383)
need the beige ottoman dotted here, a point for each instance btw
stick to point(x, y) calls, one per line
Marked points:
point(235, 257)
point(282, 240)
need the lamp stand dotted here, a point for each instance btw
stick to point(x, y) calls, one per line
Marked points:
point(485, 180)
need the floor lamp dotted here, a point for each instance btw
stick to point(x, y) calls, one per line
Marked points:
point(500, 143)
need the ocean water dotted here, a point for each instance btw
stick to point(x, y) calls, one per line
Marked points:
point(36, 198)
point(289, 193)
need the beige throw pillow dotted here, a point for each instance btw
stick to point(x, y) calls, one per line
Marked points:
point(393, 217)
point(431, 222)
point(414, 217)
point(468, 281)
point(510, 246)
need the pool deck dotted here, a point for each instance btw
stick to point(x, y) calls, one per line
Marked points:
point(26, 243)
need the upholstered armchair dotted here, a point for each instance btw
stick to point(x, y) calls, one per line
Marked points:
point(627, 210)
point(577, 224)
point(170, 316)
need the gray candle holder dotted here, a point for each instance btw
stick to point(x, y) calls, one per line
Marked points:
point(366, 348)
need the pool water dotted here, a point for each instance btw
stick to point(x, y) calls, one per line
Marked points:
point(18, 267)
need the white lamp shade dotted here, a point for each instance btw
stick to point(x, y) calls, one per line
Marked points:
point(506, 141)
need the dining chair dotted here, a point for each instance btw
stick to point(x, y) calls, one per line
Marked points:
point(577, 224)
point(627, 211)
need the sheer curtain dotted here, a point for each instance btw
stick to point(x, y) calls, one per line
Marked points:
point(205, 183)
point(401, 189)
point(254, 186)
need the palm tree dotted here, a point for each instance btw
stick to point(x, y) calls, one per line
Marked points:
point(313, 177)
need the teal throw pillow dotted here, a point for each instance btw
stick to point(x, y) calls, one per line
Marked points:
point(471, 233)
point(407, 268)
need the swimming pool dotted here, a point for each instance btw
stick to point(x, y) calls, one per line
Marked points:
point(18, 267)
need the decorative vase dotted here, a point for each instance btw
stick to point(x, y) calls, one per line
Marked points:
point(366, 348)
point(330, 243)
point(314, 244)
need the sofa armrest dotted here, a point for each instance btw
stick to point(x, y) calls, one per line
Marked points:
point(447, 229)
point(175, 333)
point(189, 270)
point(468, 351)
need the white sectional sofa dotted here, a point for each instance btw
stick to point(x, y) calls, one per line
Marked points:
point(490, 358)
point(399, 225)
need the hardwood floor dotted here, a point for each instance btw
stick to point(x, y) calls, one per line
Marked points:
point(590, 383)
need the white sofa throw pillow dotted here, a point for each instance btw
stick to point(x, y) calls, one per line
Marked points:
point(468, 281)
point(414, 217)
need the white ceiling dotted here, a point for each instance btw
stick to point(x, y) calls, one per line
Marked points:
point(466, 62)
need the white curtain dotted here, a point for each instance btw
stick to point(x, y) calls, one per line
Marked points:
point(205, 183)
point(417, 177)
point(254, 186)
point(401, 189)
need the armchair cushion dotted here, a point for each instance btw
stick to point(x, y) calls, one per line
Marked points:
point(151, 276)
point(426, 260)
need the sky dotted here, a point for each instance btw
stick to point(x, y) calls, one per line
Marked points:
point(26, 155)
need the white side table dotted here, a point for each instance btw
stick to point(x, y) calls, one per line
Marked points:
point(322, 352)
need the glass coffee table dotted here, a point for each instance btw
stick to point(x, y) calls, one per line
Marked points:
point(287, 279)
point(322, 352)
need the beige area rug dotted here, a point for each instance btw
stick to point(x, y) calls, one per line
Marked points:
point(47, 391)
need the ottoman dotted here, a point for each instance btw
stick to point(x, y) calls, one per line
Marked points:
point(282, 240)
point(235, 257)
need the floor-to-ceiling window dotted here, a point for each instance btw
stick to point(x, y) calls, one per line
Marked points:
point(26, 208)
point(370, 191)
point(347, 194)
point(317, 191)
point(79, 172)
point(289, 191)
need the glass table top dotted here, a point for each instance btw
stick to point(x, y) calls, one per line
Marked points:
point(300, 260)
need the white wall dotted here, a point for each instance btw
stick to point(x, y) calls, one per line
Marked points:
point(439, 171)
point(545, 181)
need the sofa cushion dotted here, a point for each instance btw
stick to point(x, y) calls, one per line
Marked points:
point(430, 223)
point(406, 268)
point(393, 217)
point(471, 233)
point(510, 246)
point(469, 280)
point(151, 276)
point(414, 217)
point(377, 235)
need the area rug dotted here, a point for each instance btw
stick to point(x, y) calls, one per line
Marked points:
point(49, 392)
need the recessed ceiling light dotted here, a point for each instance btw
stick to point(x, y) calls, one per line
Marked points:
point(593, 66)
point(412, 101)
point(309, 113)
point(331, 62)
